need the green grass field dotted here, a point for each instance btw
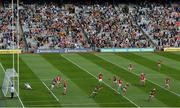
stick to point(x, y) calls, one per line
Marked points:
point(81, 71)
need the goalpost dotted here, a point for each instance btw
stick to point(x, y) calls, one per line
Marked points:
point(11, 75)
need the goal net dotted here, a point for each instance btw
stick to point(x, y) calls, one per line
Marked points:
point(10, 78)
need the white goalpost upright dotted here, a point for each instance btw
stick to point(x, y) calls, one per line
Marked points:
point(18, 38)
point(11, 76)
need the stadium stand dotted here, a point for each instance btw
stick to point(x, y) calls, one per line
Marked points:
point(159, 23)
point(51, 26)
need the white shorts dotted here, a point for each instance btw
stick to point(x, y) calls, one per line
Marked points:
point(58, 82)
point(167, 85)
point(130, 69)
point(100, 80)
point(114, 82)
point(124, 89)
point(143, 80)
point(52, 86)
point(119, 85)
point(65, 88)
point(151, 96)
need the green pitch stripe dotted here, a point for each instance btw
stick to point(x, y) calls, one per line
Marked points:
point(133, 79)
point(39, 92)
point(169, 55)
point(153, 76)
point(177, 53)
point(148, 62)
point(169, 66)
point(73, 72)
point(166, 61)
point(134, 93)
point(46, 72)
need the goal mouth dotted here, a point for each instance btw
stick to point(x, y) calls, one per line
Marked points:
point(10, 78)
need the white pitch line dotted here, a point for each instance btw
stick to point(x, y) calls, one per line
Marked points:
point(51, 92)
point(2, 67)
point(138, 75)
point(103, 81)
point(18, 94)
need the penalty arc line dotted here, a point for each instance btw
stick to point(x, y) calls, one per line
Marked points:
point(137, 75)
point(103, 81)
point(51, 92)
point(18, 94)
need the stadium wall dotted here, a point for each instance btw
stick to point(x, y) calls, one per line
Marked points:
point(66, 50)
point(127, 50)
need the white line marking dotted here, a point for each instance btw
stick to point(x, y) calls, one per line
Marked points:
point(138, 75)
point(51, 92)
point(18, 94)
point(103, 81)
point(2, 67)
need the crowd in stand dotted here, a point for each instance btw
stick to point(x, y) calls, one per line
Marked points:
point(159, 23)
point(108, 26)
point(51, 26)
point(7, 30)
point(9, 36)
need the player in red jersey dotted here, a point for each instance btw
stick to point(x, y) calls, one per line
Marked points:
point(120, 82)
point(142, 79)
point(167, 83)
point(131, 67)
point(58, 80)
point(159, 64)
point(100, 77)
point(65, 87)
